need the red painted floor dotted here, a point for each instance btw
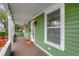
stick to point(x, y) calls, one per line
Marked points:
point(22, 47)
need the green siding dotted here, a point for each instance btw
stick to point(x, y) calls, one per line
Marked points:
point(71, 32)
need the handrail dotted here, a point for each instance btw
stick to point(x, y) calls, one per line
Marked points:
point(4, 49)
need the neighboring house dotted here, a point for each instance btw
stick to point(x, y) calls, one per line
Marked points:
point(56, 30)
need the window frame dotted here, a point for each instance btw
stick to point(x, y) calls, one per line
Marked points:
point(62, 26)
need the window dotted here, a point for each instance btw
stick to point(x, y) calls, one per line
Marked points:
point(54, 26)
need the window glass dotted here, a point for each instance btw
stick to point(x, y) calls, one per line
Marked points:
point(53, 35)
point(53, 18)
point(53, 27)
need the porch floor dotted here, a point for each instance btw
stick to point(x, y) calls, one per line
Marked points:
point(22, 48)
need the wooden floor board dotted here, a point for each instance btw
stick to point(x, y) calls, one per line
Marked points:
point(23, 48)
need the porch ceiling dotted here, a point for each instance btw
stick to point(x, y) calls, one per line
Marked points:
point(22, 12)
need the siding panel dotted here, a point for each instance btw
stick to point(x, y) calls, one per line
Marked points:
point(71, 32)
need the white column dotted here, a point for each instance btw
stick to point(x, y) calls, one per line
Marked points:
point(10, 29)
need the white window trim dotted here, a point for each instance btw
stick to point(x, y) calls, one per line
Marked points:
point(62, 38)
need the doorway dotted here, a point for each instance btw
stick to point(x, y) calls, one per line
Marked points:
point(33, 30)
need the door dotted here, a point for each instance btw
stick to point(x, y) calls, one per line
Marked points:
point(33, 30)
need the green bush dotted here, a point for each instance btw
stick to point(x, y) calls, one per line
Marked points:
point(17, 27)
point(3, 33)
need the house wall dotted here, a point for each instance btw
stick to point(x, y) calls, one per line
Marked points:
point(71, 32)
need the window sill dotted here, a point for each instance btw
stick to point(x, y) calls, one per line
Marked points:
point(55, 45)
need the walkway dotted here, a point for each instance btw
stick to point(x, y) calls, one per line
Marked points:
point(22, 47)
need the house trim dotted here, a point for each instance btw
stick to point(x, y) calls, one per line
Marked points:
point(37, 15)
point(32, 22)
point(43, 49)
point(47, 11)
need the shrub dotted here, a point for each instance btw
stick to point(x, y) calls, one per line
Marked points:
point(3, 33)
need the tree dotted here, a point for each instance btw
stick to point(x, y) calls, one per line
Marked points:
point(4, 19)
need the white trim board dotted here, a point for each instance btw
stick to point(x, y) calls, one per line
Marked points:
point(32, 29)
point(37, 15)
point(43, 49)
point(62, 37)
point(4, 49)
